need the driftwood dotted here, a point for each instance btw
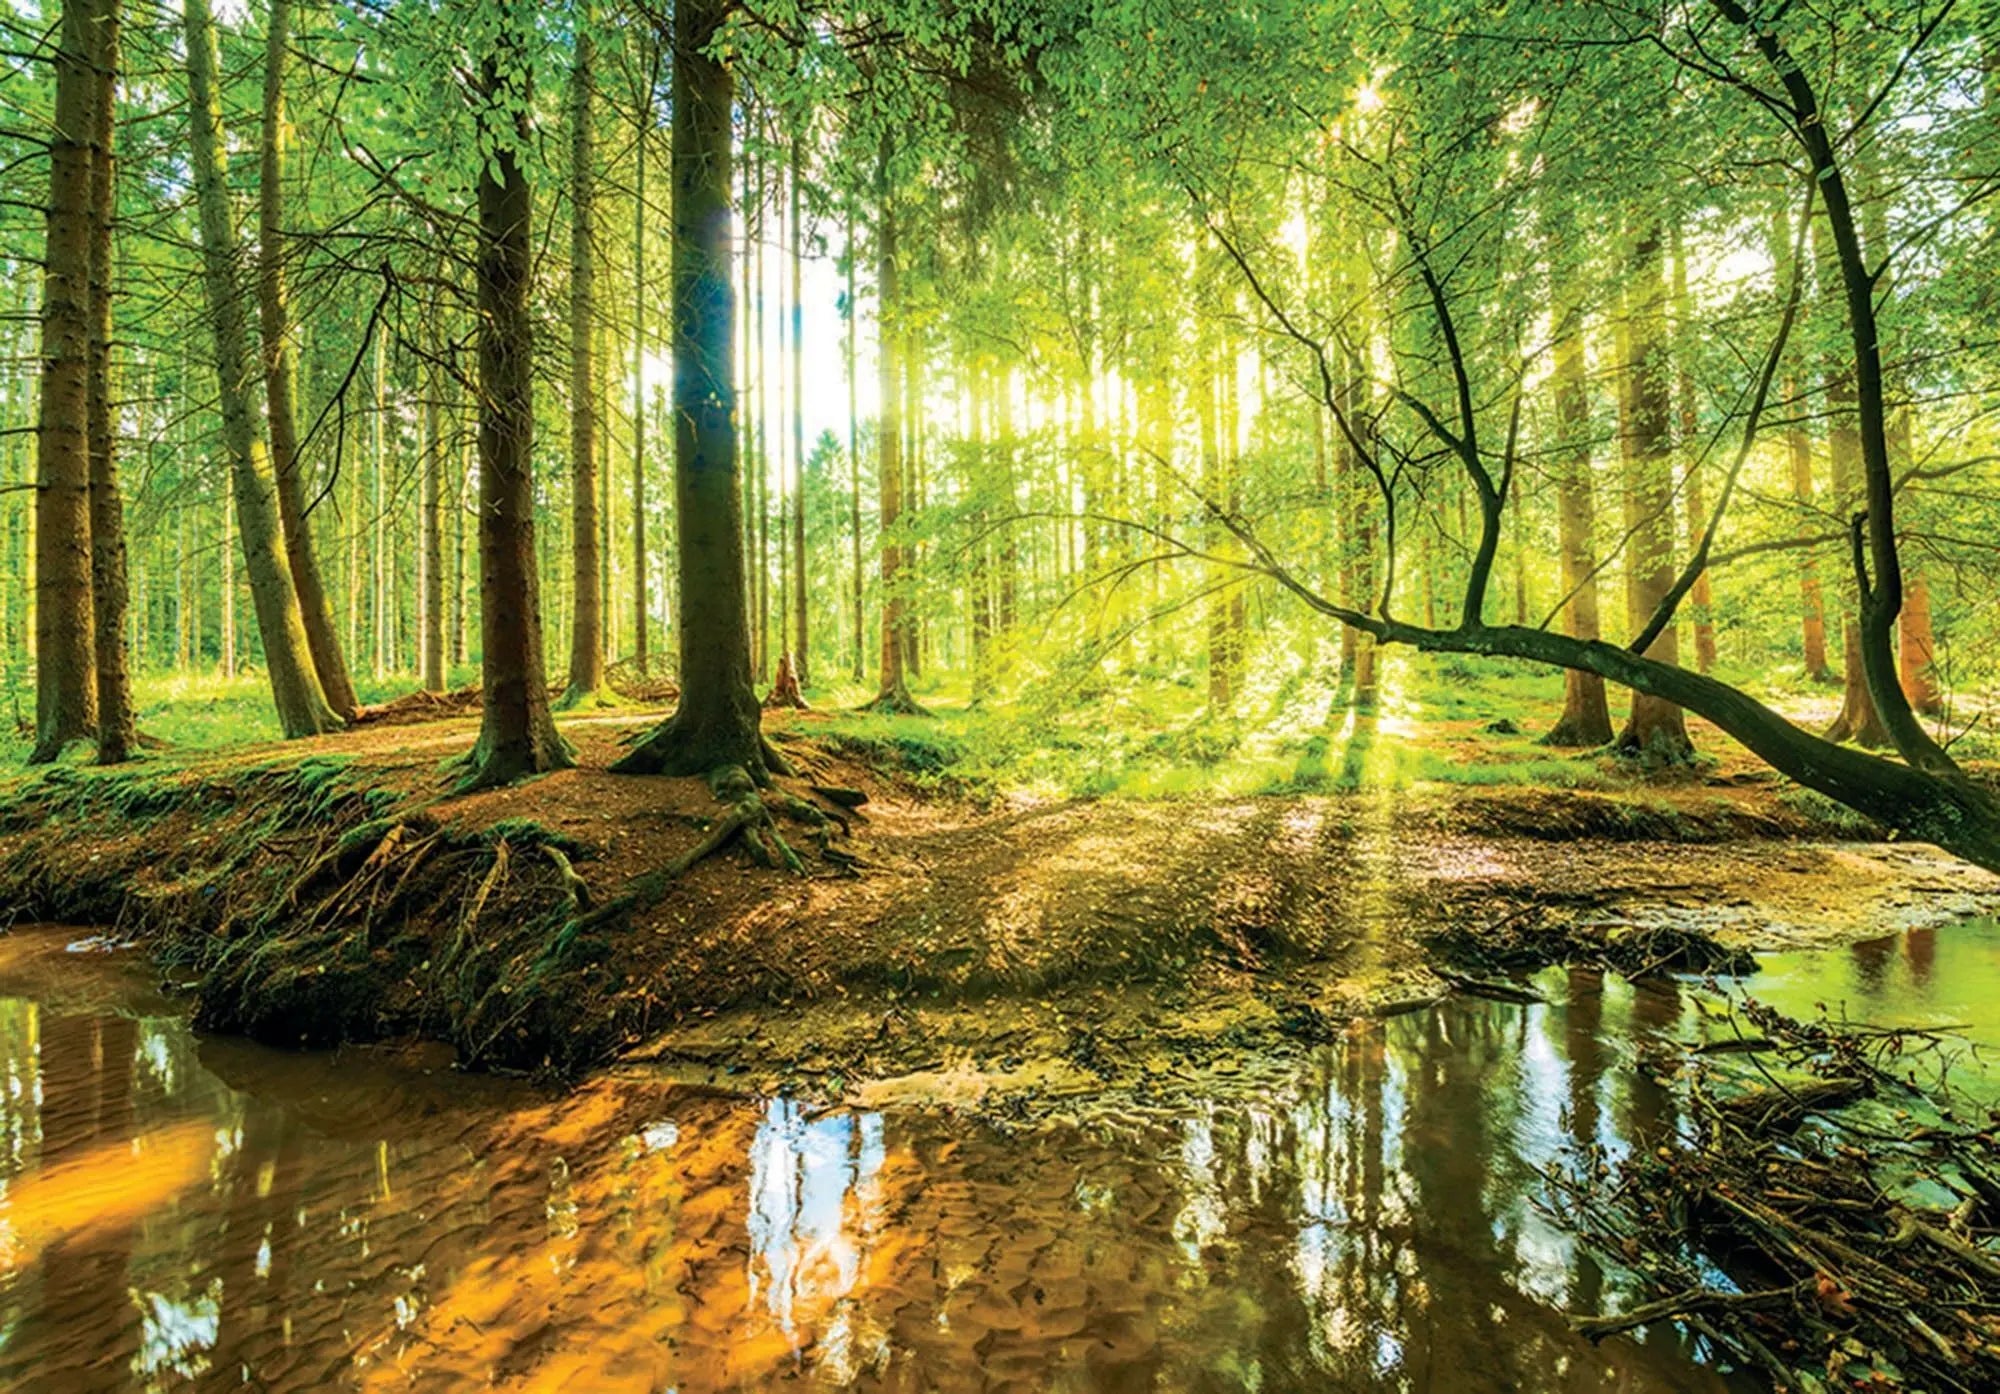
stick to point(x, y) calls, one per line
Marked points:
point(1868, 1251)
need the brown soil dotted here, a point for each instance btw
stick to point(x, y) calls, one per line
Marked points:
point(934, 944)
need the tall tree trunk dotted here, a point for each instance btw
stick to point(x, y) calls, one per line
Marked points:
point(1798, 446)
point(641, 656)
point(65, 632)
point(1209, 415)
point(916, 425)
point(1586, 717)
point(302, 706)
point(281, 377)
point(860, 666)
point(461, 508)
point(586, 640)
point(1917, 647)
point(1858, 720)
point(893, 688)
point(607, 497)
point(116, 733)
point(431, 636)
point(1701, 599)
point(801, 635)
point(717, 722)
point(517, 732)
point(378, 559)
point(760, 456)
point(1656, 729)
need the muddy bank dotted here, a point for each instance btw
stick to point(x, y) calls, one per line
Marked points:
point(331, 892)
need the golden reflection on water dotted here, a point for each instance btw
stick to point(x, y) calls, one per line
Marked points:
point(185, 1215)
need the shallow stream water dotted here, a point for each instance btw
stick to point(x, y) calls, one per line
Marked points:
point(182, 1213)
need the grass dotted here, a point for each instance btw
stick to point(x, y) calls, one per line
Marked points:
point(1293, 731)
point(1439, 722)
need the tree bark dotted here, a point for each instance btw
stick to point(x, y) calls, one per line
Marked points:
point(1701, 598)
point(517, 733)
point(281, 378)
point(892, 692)
point(1857, 720)
point(431, 631)
point(295, 688)
point(717, 722)
point(801, 635)
point(116, 732)
point(1798, 446)
point(860, 666)
point(1586, 716)
point(1918, 652)
point(586, 647)
point(641, 638)
point(65, 630)
point(1656, 729)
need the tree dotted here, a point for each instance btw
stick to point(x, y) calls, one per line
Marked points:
point(117, 734)
point(893, 689)
point(1586, 717)
point(517, 731)
point(718, 720)
point(281, 377)
point(586, 652)
point(1655, 730)
point(65, 627)
point(295, 687)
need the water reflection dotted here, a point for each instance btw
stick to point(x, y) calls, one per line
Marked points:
point(294, 1223)
point(1925, 977)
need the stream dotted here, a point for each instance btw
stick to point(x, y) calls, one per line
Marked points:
point(179, 1212)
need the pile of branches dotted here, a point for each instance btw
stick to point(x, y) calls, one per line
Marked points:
point(1528, 938)
point(414, 708)
point(1828, 1212)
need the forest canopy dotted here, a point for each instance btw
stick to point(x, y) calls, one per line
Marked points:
point(1073, 361)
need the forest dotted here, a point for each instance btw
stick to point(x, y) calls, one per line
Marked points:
point(1047, 694)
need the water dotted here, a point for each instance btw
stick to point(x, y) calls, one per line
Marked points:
point(178, 1213)
point(1946, 977)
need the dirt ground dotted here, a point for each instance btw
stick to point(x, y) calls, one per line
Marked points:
point(935, 945)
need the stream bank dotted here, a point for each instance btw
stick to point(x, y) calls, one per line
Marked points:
point(330, 893)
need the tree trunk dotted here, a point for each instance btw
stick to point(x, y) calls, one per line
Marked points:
point(517, 732)
point(302, 706)
point(1586, 716)
point(116, 733)
point(378, 548)
point(281, 378)
point(1656, 729)
point(431, 631)
point(1918, 653)
point(1858, 720)
point(586, 639)
point(641, 638)
point(801, 636)
point(1798, 445)
point(717, 722)
point(1208, 412)
point(65, 632)
point(1701, 607)
point(860, 667)
point(893, 690)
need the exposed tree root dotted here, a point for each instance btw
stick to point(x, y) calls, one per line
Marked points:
point(748, 818)
point(897, 701)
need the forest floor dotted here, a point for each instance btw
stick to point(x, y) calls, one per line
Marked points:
point(953, 940)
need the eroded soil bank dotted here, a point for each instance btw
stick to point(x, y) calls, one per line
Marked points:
point(330, 891)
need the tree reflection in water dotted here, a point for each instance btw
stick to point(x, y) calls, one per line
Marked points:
point(1370, 1225)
